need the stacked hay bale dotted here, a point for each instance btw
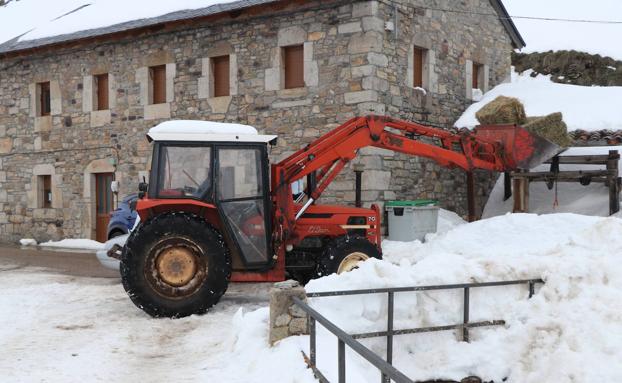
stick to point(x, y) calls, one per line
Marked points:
point(508, 110)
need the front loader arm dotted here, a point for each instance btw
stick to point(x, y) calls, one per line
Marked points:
point(329, 154)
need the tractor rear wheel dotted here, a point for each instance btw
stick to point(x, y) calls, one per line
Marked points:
point(343, 254)
point(175, 265)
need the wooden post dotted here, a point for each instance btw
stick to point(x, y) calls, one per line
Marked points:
point(507, 186)
point(521, 194)
point(614, 183)
point(471, 197)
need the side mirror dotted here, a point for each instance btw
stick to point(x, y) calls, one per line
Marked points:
point(142, 189)
point(133, 205)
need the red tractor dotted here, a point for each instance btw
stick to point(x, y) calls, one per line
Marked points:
point(214, 211)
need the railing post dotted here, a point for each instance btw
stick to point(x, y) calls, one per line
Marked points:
point(531, 289)
point(465, 316)
point(391, 300)
point(312, 340)
point(341, 356)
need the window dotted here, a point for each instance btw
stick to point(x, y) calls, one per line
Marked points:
point(220, 70)
point(44, 98)
point(293, 58)
point(185, 171)
point(418, 60)
point(45, 191)
point(157, 77)
point(101, 84)
point(477, 70)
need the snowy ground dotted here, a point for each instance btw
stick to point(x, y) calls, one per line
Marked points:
point(583, 107)
point(58, 329)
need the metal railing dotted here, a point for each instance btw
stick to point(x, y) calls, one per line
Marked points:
point(388, 372)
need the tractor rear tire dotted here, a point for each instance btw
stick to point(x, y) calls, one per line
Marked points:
point(344, 253)
point(175, 265)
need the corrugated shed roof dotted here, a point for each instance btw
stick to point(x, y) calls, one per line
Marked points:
point(16, 45)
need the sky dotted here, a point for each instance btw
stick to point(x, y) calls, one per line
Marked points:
point(603, 39)
point(36, 18)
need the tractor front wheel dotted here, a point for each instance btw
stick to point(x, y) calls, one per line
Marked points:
point(344, 254)
point(175, 265)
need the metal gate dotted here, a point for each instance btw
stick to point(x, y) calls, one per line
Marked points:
point(387, 371)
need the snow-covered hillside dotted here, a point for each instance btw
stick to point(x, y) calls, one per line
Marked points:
point(587, 108)
point(545, 35)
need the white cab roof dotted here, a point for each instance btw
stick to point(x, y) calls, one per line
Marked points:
point(205, 131)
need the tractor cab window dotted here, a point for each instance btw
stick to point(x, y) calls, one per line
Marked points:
point(241, 196)
point(185, 171)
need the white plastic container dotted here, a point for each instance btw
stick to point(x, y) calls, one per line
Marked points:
point(411, 220)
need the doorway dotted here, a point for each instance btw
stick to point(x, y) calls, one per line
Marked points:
point(103, 205)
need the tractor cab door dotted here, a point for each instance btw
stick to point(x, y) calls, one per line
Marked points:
point(243, 201)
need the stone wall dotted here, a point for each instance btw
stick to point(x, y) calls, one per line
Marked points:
point(353, 66)
point(286, 318)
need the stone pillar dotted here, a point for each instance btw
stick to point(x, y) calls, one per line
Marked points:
point(286, 319)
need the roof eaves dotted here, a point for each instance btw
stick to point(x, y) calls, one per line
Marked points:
point(506, 20)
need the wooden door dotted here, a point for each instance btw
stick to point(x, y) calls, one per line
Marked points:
point(103, 205)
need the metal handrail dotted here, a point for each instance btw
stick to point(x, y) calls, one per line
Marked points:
point(387, 370)
point(345, 339)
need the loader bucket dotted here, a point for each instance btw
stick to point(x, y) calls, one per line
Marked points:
point(521, 148)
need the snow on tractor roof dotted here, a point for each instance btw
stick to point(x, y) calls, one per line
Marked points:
point(193, 130)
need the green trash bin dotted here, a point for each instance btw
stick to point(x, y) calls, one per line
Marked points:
point(411, 220)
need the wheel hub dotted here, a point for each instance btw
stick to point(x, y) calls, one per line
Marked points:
point(351, 261)
point(176, 266)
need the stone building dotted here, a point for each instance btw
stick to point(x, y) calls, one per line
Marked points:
point(74, 108)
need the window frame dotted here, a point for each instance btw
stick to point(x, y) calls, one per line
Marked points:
point(45, 99)
point(158, 152)
point(419, 59)
point(221, 81)
point(476, 72)
point(102, 91)
point(157, 83)
point(44, 190)
point(293, 78)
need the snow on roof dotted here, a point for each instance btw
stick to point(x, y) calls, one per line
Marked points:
point(193, 130)
point(201, 127)
point(545, 35)
point(30, 23)
point(26, 21)
point(584, 108)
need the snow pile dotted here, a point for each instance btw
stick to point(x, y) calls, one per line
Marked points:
point(74, 243)
point(32, 19)
point(544, 35)
point(28, 242)
point(572, 197)
point(586, 108)
point(102, 254)
point(571, 331)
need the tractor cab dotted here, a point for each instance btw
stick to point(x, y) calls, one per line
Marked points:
point(218, 172)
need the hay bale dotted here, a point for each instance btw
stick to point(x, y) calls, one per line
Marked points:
point(502, 110)
point(552, 127)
